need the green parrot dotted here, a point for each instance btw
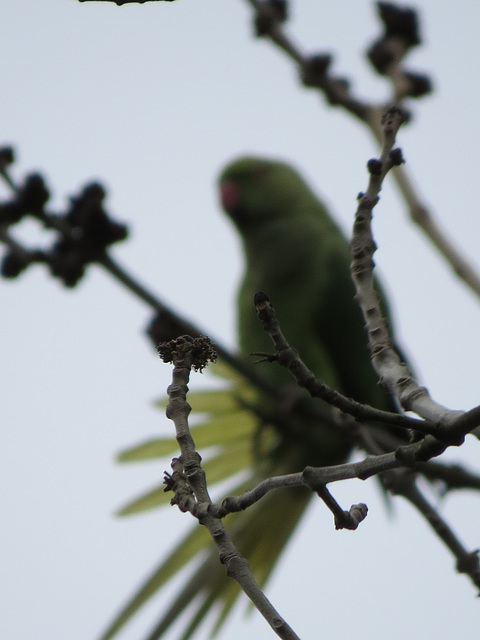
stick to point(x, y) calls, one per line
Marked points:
point(297, 255)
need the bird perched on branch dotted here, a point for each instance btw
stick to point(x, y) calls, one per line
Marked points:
point(297, 255)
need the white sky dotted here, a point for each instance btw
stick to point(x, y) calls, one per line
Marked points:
point(153, 100)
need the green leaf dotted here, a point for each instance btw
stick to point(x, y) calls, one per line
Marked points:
point(224, 429)
point(154, 448)
point(217, 401)
point(222, 370)
point(221, 430)
point(189, 546)
point(214, 402)
point(228, 462)
point(156, 497)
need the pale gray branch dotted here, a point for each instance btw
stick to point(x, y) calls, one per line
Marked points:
point(191, 483)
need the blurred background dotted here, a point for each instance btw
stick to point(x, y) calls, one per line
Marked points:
point(152, 100)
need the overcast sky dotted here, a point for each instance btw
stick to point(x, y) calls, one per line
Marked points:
point(152, 100)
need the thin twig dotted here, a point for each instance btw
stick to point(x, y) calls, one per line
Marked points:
point(198, 500)
point(289, 358)
point(467, 561)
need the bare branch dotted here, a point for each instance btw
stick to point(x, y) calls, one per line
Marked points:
point(289, 358)
point(393, 373)
point(467, 561)
point(190, 478)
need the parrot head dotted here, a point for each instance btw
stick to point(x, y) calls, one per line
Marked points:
point(254, 191)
